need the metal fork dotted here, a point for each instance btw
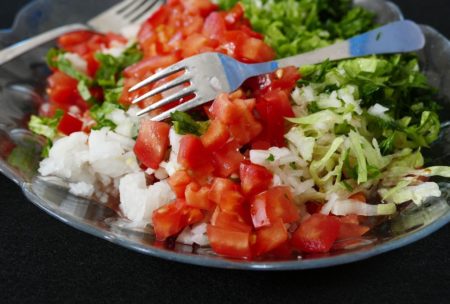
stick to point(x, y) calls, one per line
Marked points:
point(210, 74)
point(125, 13)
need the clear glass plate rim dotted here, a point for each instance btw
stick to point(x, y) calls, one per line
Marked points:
point(218, 262)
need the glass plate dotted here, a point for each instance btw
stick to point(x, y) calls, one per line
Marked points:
point(22, 84)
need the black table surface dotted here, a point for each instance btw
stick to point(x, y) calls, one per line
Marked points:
point(43, 260)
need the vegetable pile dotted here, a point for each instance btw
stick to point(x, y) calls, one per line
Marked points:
point(292, 163)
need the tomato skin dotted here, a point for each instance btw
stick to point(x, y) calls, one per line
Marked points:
point(316, 234)
point(148, 66)
point(197, 196)
point(224, 110)
point(313, 207)
point(273, 204)
point(359, 196)
point(214, 26)
point(273, 108)
point(170, 219)
point(247, 127)
point(69, 40)
point(231, 221)
point(350, 227)
point(179, 181)
point(226, 195)
point(193, 155)
point(271, 237)
point(220, 187)
point(230, 243)
point(152, 143)
point(62, 89)
point(227, 159)
point(193, 45)
point(254, 178)
point(281, 204)
point(69, 124)
point(216, 136)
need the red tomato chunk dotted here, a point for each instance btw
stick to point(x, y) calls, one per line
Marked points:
point(316, 234)
point(152, 143)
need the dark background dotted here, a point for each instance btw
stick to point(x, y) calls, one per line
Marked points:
point(42, 260)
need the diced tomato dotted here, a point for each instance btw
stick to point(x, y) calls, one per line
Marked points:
point(269, 238)
point(275, 203)
point(179, 181)
point(348, 230)
point(170, 219)
point(192, 24)
point(316, 234)
point(231, 202)
point(235, 14)
point(92, 64)
point(216, 136)
point(247, 127)
point(273, 108)
point(261, 144)
point(193, 155)
point(67, 41)
point(62, 89)
point(226, 194)
point(231, 221)
point(146, 67)
point(224, 110)
point(281, 204)
point(152, 143)
point(359, 196)
point(69, 124)
point(202, 7)
point(220, 187)
point(255, 50)
point(193, 44)
point(313, 207)
point(230, 243)
point(254, 178)
point(110, 36)
point(284, 79)
point(227, 159)
point(214, 26)
point(197, 196)
point(350, 227)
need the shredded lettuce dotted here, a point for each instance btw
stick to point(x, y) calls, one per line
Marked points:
point(416, 193)
point(295, 26)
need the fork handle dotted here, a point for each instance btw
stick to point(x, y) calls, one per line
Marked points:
point(397, 37)
point(26, 45)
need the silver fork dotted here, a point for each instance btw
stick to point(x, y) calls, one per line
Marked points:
point(210, 74)
point(124, 13)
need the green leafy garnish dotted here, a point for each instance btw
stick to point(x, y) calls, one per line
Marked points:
point(100, 112)
point(295, 26)
point(183, 123)
point(45, 126)
point(271, 158)
point(109, 73)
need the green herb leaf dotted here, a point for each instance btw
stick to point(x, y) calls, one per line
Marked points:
point(45, 126)
point(100, 112)
point(183, 123)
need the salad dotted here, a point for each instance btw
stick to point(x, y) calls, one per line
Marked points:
point(294, 162)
